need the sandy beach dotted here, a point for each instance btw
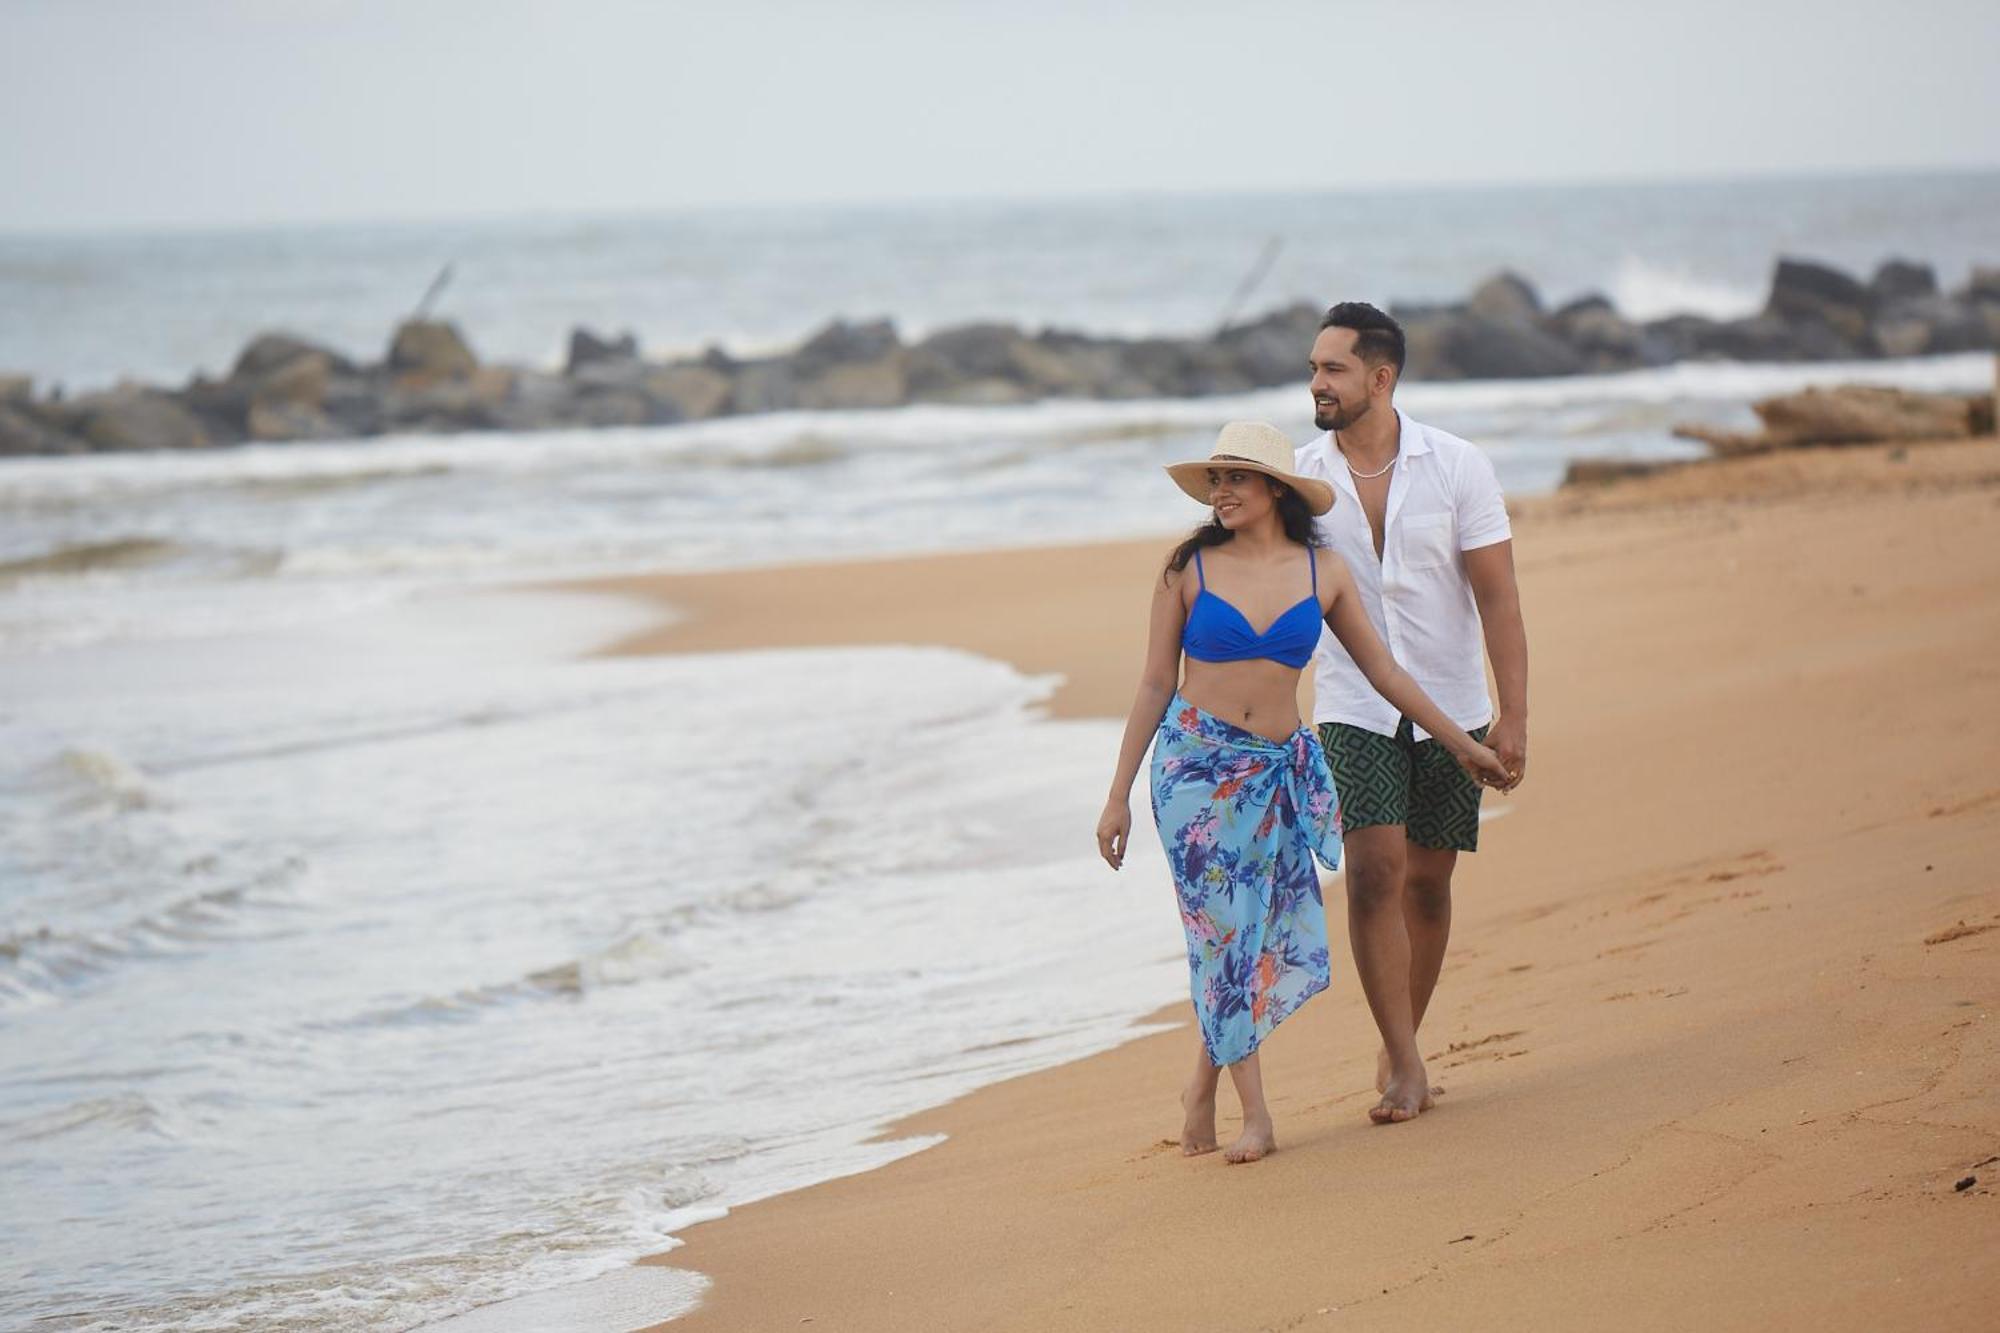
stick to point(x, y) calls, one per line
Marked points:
point(1717, 1031)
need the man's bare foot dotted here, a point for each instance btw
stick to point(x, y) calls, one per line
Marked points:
point(1198, 1130)
point(1403, 1099)
point(1383, 1068)
point(1257, 1140)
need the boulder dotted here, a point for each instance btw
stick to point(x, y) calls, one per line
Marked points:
point(269, 351)
point(1273, 349)
point(1803, 292)
point(691, 391)
point(1447, 345)
point(1860, 414)
point(132, 418)
point(279, 420)
point(299, 382)
point(426, 349)
point(878, 383)
point(1604, 338)
point(769, 385)
point(965, 352)
point(587, 349)
point(844, 344)
point(23, 432)
point(1850, 414)
point(1983, 286)
point(1902, 280)
point(1505, 298)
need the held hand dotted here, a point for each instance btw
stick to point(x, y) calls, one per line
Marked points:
point(1484, 767)
point(1114, 828)
point(1509, 739)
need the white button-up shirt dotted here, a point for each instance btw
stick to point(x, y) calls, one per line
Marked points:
point(1443, 500)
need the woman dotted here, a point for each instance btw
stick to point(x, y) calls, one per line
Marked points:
point(1241, 791)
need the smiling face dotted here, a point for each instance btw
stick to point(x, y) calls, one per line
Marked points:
point(1345, 387)
point(1241, 496)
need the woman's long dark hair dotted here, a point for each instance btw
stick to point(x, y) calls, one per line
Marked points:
point(1292, 512)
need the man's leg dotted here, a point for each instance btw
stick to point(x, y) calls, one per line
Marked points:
point(1376, 865)
point(1373, 774)
point(1427, 918)
point(1443, 821)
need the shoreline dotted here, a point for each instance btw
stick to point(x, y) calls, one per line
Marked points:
point(1683, 1028)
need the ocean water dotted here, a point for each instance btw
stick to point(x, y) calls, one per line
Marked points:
point(370, 952)
point(84, 310)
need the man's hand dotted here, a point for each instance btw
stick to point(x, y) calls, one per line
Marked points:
point(1508, 738)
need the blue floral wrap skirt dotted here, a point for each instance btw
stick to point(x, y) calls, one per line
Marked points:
point(1242, 817)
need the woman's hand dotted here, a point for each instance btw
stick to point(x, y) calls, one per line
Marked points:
point(1114, 829)
point(1485, 768)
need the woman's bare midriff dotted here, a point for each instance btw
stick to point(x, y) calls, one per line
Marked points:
point(1257, 695)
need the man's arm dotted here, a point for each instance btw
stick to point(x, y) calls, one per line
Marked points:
point(1490, 570)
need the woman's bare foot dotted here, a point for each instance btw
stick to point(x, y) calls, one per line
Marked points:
point(1257, 1140)
point(1198, 1130)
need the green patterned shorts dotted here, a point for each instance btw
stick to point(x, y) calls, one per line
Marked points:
point(1401, 780)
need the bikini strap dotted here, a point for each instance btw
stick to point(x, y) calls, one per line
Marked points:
point(1201, 579)
point(1312, 562)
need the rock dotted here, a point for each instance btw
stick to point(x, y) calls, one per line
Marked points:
point(299, 382)
point(967, 352)
point(1596, 331)
point(17, 388)
point(692, 391)
point(1809, 293)
point(1863, 414)
point(879, 383)
point(1850, 414)
point(22, 432)
point(279, 420)
point(1602, 471)
point(844, 344)
point(1902, 280)
point(130, 418)
point(468, 402)
point(587, 349)
point(619, 405)
point(1983, 286)
point(1273, 349)
point(1452, 345)
point(769, 385)
point(1759, 338)
point(269, 351)
point(1505, 298)
point(425, 350)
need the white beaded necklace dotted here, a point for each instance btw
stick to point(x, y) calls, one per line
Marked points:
point(1370, 476)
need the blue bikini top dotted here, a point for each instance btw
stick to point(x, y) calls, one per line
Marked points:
point(1218, 632)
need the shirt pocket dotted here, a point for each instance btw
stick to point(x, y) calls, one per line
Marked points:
point(1427, 540)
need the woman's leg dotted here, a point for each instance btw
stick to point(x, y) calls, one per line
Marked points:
point(1198, 1101)
point(1258, 1138)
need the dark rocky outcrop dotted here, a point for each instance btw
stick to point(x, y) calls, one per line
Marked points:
point(586, 349)
point(285, 387)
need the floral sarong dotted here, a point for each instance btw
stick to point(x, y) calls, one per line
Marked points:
point(1241, 818)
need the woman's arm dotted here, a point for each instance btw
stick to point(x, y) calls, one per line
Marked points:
point(1157, 682)
point(1350, 624)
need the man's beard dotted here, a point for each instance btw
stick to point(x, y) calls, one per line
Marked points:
point(1339, 418)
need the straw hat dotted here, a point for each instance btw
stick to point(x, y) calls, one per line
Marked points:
point(1259, 448)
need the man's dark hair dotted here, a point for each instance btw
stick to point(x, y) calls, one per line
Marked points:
point(1377, 337)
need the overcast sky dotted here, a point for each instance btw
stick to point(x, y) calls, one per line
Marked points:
point(132, 112)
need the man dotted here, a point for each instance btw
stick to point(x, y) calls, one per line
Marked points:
point(1420, 520)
